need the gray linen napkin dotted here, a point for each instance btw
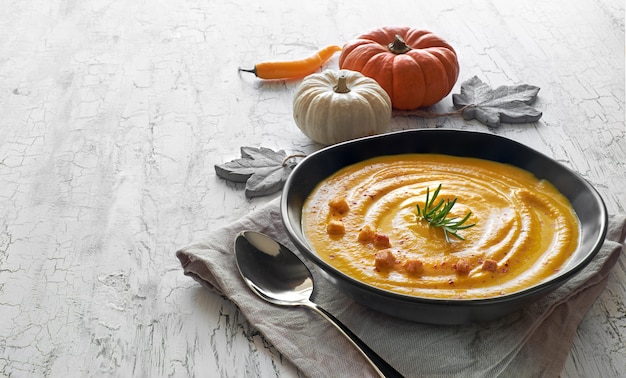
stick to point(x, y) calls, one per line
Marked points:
point(533, 342)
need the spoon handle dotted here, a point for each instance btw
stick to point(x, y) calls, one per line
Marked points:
point(381, 366)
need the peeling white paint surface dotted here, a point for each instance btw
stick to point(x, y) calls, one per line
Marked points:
point(114, 113)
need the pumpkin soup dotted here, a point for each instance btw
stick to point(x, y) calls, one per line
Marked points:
point(363, 220)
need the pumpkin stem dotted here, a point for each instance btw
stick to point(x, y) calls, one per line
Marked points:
point(342, 85)
point(398, 46)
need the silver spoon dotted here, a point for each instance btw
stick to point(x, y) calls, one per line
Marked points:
point(277, 275)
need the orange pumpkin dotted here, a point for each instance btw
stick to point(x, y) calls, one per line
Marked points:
point(415, 67)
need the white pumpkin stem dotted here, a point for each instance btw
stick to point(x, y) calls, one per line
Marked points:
point(342, 85)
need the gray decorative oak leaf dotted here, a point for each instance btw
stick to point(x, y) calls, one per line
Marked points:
point(263, 170)
point(509, 104)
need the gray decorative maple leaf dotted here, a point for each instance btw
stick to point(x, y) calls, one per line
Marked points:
point(509, 104)
point(263, 170)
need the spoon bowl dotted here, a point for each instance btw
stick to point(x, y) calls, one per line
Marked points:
point(271, 270)
point(276, 274)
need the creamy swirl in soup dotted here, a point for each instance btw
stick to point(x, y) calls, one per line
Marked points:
point(363, 220)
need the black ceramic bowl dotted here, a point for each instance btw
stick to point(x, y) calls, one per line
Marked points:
point(316, 167)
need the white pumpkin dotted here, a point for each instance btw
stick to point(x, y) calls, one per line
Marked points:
point(335, 106)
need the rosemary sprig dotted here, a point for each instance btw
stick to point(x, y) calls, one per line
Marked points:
point(437, 215)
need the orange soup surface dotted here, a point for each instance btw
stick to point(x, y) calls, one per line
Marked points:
point(363, 220)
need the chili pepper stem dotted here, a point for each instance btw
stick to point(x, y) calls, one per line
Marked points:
point(253, 70)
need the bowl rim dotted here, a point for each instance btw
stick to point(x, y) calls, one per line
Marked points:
point(551, 282)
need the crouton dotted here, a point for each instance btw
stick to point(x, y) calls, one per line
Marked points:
point(384, 259)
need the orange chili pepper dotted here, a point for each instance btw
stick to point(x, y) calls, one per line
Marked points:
point(294, 68)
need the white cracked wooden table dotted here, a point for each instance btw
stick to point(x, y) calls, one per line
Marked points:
point(113, 115)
